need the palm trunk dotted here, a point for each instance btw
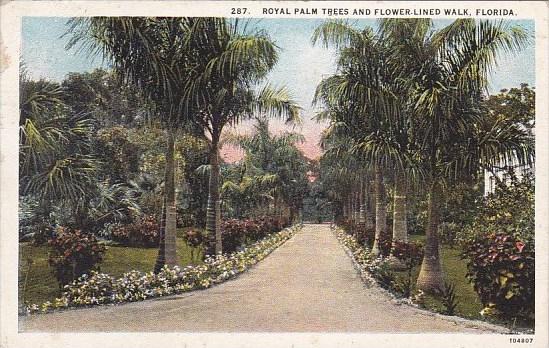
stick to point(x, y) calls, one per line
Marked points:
point(381, 212)
point(356, 210)
point(352, 212)
point(167, 250)
point(430, 277)
point(361, 201)
point(213, 211)
point(370, 204)
point(400, 226)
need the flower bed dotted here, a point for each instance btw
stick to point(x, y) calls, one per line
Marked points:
point(99, 288)
point(372, 269)
point(237, 233)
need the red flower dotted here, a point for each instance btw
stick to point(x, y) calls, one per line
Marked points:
point(520, 245)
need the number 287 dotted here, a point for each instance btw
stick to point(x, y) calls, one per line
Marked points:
point(239, 10)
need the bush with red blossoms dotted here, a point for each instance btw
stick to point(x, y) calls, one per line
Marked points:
point(142, 233)
point(238, 233)
point(73, 253)
point(502, 270)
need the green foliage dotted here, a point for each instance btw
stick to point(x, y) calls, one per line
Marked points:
point(194, 188)
point(502, 269)
point(56, 161)
point(517, 105)
point(499, 247)
point(273, 171)
point(510, 210)
point(449, 299)
point(119, 154)
point(74, 253)
point(105, 97)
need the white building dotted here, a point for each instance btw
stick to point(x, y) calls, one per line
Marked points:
point(490, 181)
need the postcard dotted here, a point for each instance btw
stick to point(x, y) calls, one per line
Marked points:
point(274, 174)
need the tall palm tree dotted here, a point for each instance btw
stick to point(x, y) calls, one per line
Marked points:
point(367, 86)
point(224, 85)
point(342, 169)
point(447, 73)
point(152, 54)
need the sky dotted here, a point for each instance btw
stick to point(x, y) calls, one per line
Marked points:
point(300, 67)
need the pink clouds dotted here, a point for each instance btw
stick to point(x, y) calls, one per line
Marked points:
point(310, 130)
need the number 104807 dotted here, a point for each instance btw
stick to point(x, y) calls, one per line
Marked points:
point(520, 340)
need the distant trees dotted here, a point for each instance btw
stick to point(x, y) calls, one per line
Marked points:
point(271, 178)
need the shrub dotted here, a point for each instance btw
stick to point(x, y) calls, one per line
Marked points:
point(502, 269)
point(385, 245)
point(74, 253)
point(142, 233)
point(499, 247)
point(382, 271)
point(238, 233)
point(411, 253)
point(365, 235)
point(509, 209)
point(232, 234)
point(193, 238)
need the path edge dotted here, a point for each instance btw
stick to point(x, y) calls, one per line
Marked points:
point(371, 283)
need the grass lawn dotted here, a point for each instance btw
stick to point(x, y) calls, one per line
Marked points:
point(41, 285)
point(455, 269)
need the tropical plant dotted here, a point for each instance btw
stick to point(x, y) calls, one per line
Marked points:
point(499, 248)
point(449, 299)
point(56, 162)
point(232, 61)
point(370, 98)
point(74, 253)
point(447, 71)
point(152, 55)
point(501, 267)
point(273, 170)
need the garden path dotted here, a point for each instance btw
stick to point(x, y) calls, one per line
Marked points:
point(308, 284)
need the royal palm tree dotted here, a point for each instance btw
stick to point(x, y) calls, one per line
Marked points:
point(152, 54)
point(447, 72)
point(342, 169)
point(366, 85)
point(224, 85)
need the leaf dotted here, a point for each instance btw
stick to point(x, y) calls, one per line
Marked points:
point(502, 281)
